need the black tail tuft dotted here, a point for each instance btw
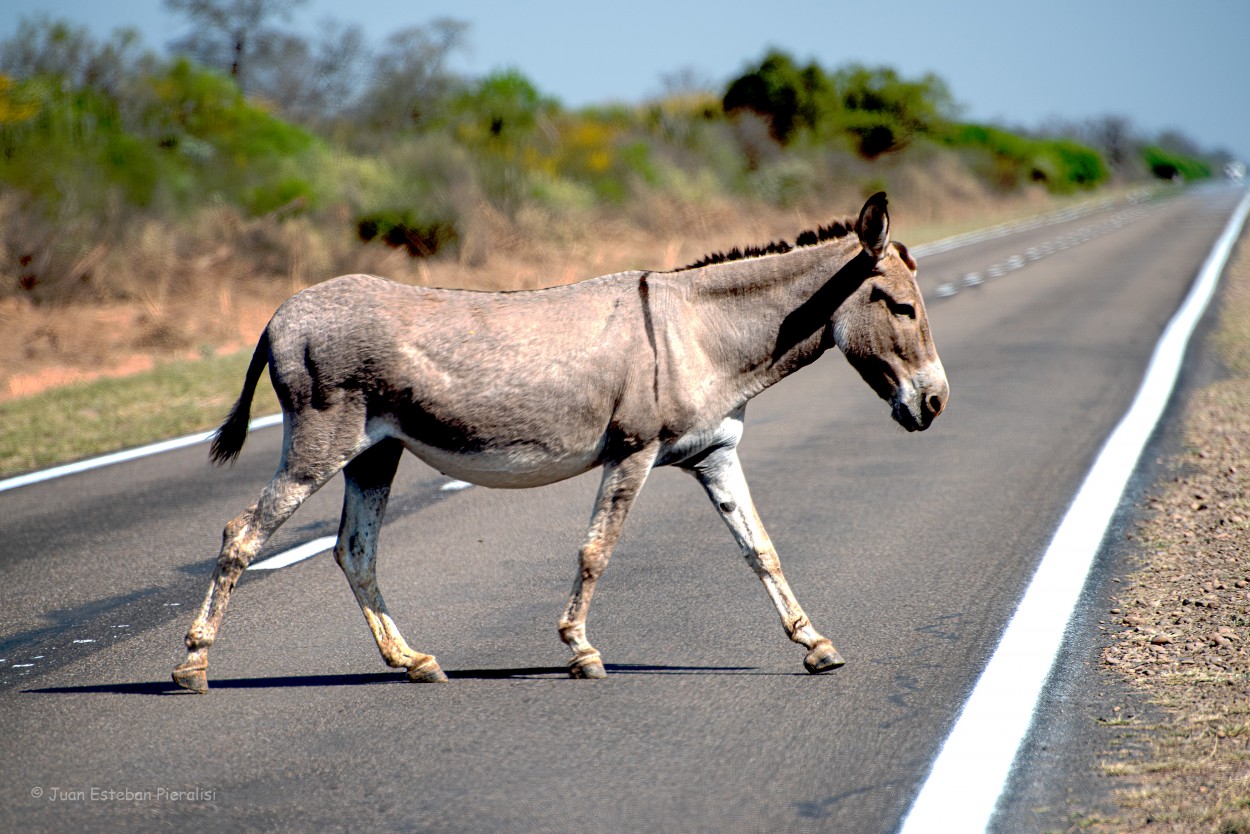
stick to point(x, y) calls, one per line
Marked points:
point(229, 439)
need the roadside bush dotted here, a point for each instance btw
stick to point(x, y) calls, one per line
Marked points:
point(405, 229)
point(872, 109)
point(1008, 160)
point(69, 148)
point(1170, 165)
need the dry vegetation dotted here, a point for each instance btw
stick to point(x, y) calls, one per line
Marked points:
point(158, 291)
point(1185, 614)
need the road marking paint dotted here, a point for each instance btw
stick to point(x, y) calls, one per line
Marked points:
point(971, 769)
point(125, 455)
point(310, 549)
point(84, 641)
point(296, 554)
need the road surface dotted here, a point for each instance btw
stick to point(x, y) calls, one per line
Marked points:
point(909, 551)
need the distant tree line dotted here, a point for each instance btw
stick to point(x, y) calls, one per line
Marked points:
point(248, 111)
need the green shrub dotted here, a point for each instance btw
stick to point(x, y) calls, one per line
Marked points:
point(875, 110)
point(1168, 165)
point(1008, 160)
point(405, 229)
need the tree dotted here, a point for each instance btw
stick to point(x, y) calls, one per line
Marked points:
point(228, 33)
point(410, 77)
point(776, 90)
point(884, 110)
point(312, 81)
point(1113, 135)
point(67, 52)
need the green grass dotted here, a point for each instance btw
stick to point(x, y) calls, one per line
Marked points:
point(84, 419)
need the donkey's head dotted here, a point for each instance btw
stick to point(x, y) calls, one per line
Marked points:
point(883, 330)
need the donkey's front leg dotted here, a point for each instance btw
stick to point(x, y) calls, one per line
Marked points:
point(721, 475)
point(621, 483)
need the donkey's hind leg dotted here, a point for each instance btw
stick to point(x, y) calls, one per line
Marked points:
point(368, 486)
point(241, 541)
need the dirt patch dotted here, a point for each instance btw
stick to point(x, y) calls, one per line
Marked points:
point(1183, 635)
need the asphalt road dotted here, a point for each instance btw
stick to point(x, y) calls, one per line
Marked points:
point(909, 551)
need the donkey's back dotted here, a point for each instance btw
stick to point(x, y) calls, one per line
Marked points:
point(501, 389)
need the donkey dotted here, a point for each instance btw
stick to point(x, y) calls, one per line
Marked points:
point(518, 389)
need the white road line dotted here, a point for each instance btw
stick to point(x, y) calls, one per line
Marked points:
point(295, 554)
point(972, 767)
point(125, 455)
point(312, 548)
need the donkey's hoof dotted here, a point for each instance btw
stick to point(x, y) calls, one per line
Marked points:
point(192, 678)
point(587, 668)
point(428, 672)
point(822, 658)
point(588, 671)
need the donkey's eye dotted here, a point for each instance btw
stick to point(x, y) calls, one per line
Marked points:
point(897, 308)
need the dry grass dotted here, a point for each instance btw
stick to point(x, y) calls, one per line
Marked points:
point(82, 300)
point(119, 311)
point(1185, 613)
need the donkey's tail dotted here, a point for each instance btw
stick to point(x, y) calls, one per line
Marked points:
point(229, 439)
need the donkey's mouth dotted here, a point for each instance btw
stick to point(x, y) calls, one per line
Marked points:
point(905, 417)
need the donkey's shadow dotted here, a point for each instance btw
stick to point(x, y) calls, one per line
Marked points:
point(536, 673)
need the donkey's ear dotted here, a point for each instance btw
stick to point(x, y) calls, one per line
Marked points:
point(873, 226)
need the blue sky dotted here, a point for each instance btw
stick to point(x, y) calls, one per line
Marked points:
point(1163, 64)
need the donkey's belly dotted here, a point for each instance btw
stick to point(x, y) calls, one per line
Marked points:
point(516, 464)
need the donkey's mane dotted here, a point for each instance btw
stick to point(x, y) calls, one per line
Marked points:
point(811, 237)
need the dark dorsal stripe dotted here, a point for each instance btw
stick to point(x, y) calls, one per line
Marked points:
point(811, 237)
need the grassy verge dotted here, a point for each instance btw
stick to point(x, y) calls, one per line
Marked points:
point(89, 418)
point(1184, 615)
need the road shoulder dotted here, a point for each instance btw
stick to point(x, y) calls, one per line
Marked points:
point(1144, 723)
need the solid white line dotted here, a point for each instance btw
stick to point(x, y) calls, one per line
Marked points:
point(295, 554)
point(972, 767)
point(125, 455)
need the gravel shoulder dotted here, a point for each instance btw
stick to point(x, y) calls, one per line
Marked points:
point(1176, 627)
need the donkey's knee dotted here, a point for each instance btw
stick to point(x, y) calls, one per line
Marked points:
point(593, 561)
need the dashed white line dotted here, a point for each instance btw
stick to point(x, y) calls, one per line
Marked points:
point(972, 767)
point(295, 554)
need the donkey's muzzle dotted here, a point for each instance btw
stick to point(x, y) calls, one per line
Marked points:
point(917, 410)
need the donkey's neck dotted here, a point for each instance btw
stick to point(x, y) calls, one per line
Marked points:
point(764, 318)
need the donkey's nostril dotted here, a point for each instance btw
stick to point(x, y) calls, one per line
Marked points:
point(935, 405)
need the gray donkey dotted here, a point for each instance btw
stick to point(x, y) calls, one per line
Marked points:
point(518, 389)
